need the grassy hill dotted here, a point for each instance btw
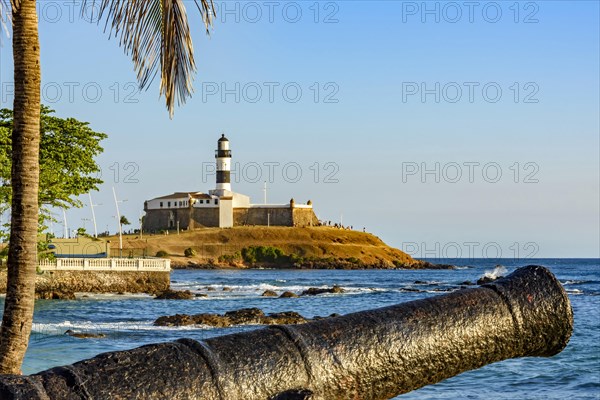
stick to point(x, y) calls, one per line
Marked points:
point(318, 247)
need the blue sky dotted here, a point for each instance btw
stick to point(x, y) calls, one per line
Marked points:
point(370, 94)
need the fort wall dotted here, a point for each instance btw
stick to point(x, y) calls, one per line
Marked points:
point(158, 220)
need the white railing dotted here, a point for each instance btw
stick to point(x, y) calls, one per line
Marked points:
point(106, 264)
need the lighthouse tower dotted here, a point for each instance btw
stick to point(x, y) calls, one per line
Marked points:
point(223, 156)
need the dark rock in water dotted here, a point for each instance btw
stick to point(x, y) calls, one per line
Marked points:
point(175, 295)
point(486, 279)
point(175, 320)
point(409, 289)
point(82, 335)
point(215, 320)
point(245, 316)
point(55, 295)
point(200, 295)
point(467, 283)
point(315, 291)
point(429, 265)
point(269, 293)
point(227, 289)
point(287, 295)
point(210, 289)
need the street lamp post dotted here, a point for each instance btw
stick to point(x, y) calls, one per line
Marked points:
point(141, 226)
point(66, 228)
point(265, 193)
point(119, 222)
point(83, 220)
point(92, 205)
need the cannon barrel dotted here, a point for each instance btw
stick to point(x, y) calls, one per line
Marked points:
point(374, 354)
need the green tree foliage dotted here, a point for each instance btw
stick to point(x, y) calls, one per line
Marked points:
point(81, 232)
point(189, 252)
point(124, 220)
point(162, 253)
point(68, 168)
point(268, 254)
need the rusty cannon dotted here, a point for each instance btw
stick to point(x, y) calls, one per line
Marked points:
point(374, 354)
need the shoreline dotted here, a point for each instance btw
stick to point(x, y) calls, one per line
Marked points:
point(419, 265)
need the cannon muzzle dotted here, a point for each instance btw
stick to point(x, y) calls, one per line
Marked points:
point(376, 354)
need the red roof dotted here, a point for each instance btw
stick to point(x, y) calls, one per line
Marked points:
point(179, 195)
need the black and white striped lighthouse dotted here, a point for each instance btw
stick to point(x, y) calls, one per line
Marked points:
point(223, 156)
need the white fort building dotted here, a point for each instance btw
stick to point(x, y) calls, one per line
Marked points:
point(221, 207)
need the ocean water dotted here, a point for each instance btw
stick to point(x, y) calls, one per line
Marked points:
point(127, 321)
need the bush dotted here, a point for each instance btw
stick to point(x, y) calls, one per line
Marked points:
point(230, 258)
point(296, 259)
point(161, 253)
point(189, 252)
point(270, 254)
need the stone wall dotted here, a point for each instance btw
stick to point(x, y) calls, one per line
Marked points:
point(158, 220)
point(305, 217)
point(97, 281)
point(206, 217)
point(262, 216)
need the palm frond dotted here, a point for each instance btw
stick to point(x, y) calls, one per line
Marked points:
point(156, 34)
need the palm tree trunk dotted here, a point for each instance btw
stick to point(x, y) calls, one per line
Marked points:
point(22, 254)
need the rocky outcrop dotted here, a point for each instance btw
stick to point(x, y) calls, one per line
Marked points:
point(419, 264)
point(175, 295)
point(245, 316)
point(84, 335)
point(288, 295)
point(485, 279)
point(55, 295)
point(269, 293)
point(315, 291)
